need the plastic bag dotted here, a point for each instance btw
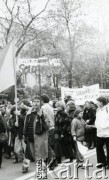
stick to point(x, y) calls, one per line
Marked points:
point(3, 138)
point(79, 156)
point(18, 149)
point(26, 163)
point(82, 148)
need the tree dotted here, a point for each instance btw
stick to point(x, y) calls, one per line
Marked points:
point(70, 33)
point(19, 21)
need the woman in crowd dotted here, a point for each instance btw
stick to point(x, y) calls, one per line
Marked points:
point(70, 108)
point(78, 127)
point(102, 125)
point(54, 107)
point(63, 146)
point(2, 130)
point(89, 117)
point(11, 130)
point(15, 128)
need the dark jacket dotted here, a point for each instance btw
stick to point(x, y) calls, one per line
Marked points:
point(21, 120)
point(11, 126)
point(16, 130)
point(89, 114)
point(62, 126)
point(28, 119)
point(2, 125)
point(31, 116)
point(63, 138)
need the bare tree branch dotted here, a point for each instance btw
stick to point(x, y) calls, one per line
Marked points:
point(14, 6)
point(29, 8)
point(3, 26)
point(34, 17)
point(6, 4)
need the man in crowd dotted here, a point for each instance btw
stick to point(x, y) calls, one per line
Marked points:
point(50, 114)
point(36, 132)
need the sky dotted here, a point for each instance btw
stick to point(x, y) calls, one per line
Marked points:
point(98, 14)
point(98, 17)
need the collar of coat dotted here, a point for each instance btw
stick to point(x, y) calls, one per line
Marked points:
point(32, 110)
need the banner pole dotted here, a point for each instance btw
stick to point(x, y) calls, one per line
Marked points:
point(14, 59)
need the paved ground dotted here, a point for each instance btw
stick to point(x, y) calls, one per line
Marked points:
point(11, 171)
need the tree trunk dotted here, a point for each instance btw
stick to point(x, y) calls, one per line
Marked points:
point(70, 81)
point(57, 81)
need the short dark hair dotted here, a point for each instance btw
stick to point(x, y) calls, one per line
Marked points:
point(77, 111)
point(45, 98)
point(103, 100)
point(36, 97)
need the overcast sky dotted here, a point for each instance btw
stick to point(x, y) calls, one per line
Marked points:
point(97, 13)
point(98, 17)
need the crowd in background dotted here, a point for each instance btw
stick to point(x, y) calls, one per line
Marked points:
point(40, 128)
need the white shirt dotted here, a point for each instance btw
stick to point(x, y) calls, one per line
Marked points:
point(102, 121)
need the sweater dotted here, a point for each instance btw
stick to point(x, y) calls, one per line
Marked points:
point(89, 114)
point(78, 127)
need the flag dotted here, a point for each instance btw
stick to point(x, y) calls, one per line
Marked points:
point(7, 67)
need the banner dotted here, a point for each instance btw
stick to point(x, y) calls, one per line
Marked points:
point(104, 92)
point(7, 67)
point(81, 95)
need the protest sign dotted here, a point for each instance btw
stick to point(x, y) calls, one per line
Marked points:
point(81, 95)
point(104, 92)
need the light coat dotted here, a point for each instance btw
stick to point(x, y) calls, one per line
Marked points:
point(40, 141)
point(102, 121)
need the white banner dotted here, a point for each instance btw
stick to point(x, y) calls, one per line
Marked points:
point(81, 95)
point(104, 92)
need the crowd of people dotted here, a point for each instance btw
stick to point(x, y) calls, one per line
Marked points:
point(40, 129)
